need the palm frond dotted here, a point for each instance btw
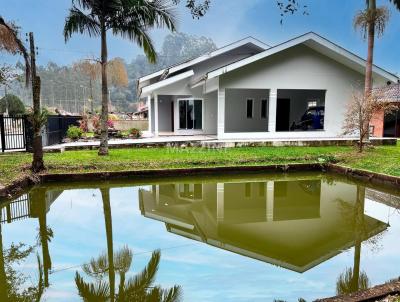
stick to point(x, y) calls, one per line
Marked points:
point(378, 18)
point(139, 284)
point(160, 14)
point(141, 37)
point(10, 42)
point(396, 3)
point(40, 287)
point(174, 294)
point(97, 267)
point(77, 21)
point(90, 292)
point(347, 284)
point(123, 259)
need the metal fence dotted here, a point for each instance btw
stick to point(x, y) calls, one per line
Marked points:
point(57, 127)
point(15, 210)
point(13, 132)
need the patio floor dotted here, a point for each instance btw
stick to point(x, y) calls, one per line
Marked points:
point(211, 141)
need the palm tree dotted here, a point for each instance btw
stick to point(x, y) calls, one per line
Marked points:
point(128, 18)
point(372, 21)
point(137, 288)
point(353, 279)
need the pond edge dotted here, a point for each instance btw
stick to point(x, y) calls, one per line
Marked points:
point(7, 192)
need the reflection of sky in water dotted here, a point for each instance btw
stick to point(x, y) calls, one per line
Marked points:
point(205, 273)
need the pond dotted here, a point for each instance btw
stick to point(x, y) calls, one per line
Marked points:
point(251, 237)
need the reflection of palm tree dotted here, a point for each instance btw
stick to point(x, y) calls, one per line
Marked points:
point(38, 196)
point(136, 288)
point(353, 280)
point(105, 194)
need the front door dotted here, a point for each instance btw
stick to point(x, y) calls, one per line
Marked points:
point(190, 114)
point(282, 114)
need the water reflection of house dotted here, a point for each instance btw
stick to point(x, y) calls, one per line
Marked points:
point(293, 224)
point(24, 206)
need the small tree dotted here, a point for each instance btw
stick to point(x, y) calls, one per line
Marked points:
point(12, 104)
point(360, 111)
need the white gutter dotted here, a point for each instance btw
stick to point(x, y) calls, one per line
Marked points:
point(148, 89)
point(296, 41)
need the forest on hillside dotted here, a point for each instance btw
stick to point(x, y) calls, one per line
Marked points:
point(66, 88)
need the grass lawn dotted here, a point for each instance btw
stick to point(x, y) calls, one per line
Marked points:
point(384, 159)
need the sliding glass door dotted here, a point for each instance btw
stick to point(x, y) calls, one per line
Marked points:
point(190, 114)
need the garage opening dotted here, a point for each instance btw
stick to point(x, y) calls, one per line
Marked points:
point(300, 110)
point(391, 124)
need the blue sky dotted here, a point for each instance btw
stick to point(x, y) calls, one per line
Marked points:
point(226, 22)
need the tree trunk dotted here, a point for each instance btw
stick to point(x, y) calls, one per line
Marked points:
point(370, 55)
point(37, 163)
point(103, 150)
point(105, 193)
point(91, 97)
point(38, 210)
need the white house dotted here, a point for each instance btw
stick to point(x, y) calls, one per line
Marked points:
point(250, 90)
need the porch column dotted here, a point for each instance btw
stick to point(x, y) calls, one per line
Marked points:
point(273, 94)
point(156, 115)
point(149, 114)
point(270, 201)
point(220, 202)
point(221, 114)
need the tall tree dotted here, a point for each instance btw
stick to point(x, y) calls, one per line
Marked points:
point(116, 72)
point(371, 21)
point(130, 19)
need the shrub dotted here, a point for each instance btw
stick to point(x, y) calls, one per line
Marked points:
point(84, 124)
point(74, 132)
point(13, 103)
point(136, 133)
point(110, 124)
point(96, 123)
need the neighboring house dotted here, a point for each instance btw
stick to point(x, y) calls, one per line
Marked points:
point(387, 125)
point(249, 90)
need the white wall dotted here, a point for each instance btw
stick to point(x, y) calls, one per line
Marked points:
point(164, 113)
point(236, 112)
point(297, 68)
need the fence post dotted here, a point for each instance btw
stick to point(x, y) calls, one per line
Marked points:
point(2, 133)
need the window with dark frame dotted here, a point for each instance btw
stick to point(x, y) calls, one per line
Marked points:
point(264, 108)
point(249, 108)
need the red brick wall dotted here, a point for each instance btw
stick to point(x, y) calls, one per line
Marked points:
point(377, 123)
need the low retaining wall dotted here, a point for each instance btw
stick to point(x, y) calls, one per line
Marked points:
point(393, 182)
point(124, 125)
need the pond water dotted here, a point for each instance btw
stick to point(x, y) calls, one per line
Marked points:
point(253, 237)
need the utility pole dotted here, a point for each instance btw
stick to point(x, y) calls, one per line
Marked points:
point(37, 163)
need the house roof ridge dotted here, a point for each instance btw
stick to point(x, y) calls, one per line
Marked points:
point(209, 53)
